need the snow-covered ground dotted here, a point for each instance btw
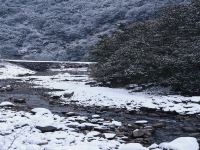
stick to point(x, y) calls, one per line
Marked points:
point(21, 130)
point(8, 70)
point(17, 60)
point(101, 96)
point(120, 98)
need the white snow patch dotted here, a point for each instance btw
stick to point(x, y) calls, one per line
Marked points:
point(41, 111)
point(18, 131)
point(8, 70)
point(70, 62)
point(114, 97)
point(109, 135)
point(132, 146)
point(6, 104)
point(95, 116)
point(141, 122)
point(182, 143)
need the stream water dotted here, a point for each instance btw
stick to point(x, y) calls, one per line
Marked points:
point(167, 126)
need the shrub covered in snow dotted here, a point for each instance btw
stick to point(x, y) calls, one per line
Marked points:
point(164, 51)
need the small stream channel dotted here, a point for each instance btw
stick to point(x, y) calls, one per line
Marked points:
point(167, 126)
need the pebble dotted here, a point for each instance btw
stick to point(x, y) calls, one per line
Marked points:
point(20, 100)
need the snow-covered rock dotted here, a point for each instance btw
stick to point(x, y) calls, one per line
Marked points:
point(109, 135)
point(8, 104)
point(182, 143)
point(41, 111)
point(93, 133)
point(19, 132)
point(153, 146)
point(132, 146)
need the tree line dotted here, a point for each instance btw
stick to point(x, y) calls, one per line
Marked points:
point(164, 51)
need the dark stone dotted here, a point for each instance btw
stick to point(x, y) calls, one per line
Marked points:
point(138, 133)
point(139, 140)
point(68, 95)
point(87, 127)
point(141, 133)
point(47, 129)
point(20, 100)
point(91, 83)
point(7, 88)
point(24, 75)
point(52, 102)
point(101, 129)
point(189, 129)
point(74, 101)
point(159, 125)
point(56, 97)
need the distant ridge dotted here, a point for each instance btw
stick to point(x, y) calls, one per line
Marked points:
point(64, 29)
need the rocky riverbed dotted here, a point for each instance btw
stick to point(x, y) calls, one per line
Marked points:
point(21, 95)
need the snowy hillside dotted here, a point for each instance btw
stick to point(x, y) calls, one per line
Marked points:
point(63, 29)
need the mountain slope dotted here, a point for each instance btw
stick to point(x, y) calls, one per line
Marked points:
point(64, 29)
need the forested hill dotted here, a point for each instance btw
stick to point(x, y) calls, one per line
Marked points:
point(64, 29)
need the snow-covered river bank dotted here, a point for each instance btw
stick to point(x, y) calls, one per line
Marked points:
point(40, 129)
point(74, 79)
